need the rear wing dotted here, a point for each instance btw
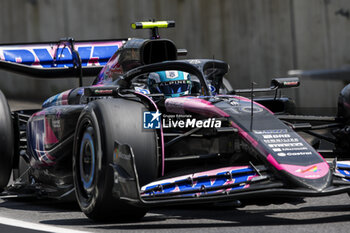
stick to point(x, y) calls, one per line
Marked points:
point(64, 58)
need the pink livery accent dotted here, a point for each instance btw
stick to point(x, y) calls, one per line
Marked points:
point(216, 171)
point(48, 52)
point(195, 105)
point(112, 67)
point(59, 99)
point(41, 113)
point(248, 137)
point(322, 157)
point(196, 175)
point(161, 131)
point(64, 100)
point(314, 171)
point(346, 104)
point(274, 163)
point(50, 137)
point(99, 85)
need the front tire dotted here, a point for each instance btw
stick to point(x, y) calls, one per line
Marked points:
point(102, 123)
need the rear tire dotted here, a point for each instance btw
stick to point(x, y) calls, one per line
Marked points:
point(6, 142)
point(101, 124)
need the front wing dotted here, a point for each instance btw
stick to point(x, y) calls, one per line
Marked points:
point(223, 184)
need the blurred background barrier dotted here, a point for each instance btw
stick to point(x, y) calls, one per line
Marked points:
point(259, 39)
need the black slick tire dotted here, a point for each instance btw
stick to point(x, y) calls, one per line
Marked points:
point(100, 124)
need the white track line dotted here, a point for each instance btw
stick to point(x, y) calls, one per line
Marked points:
point(36, 226)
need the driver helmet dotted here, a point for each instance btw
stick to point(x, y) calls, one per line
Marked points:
point(171, 83)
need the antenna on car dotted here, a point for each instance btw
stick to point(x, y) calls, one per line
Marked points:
point(251, 105)
point(76, 59)
point(153, 26)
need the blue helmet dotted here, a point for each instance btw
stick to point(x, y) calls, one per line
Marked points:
point(171, 83)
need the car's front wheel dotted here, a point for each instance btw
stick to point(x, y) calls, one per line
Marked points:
point(101, 124)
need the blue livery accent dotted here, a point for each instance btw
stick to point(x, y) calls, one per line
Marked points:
point(98, 55)
point(201, 182)
point(344, 172)
point(44, 57)
point(87, 183)
point(19, 56)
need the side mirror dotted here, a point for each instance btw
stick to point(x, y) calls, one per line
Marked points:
point(285, 82)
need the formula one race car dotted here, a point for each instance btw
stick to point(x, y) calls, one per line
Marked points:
point(155, 130)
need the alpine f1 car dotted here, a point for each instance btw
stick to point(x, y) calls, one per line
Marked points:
point(155, 130)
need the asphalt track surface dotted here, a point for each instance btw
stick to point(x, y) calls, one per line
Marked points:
point(322, 214)
point(326, 214)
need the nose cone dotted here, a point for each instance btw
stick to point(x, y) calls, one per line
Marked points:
point(315, 176)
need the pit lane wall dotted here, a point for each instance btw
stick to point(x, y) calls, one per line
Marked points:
point(259, 39)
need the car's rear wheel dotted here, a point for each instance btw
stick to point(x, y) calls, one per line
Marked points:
point(6, 142)
point(100, 125)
